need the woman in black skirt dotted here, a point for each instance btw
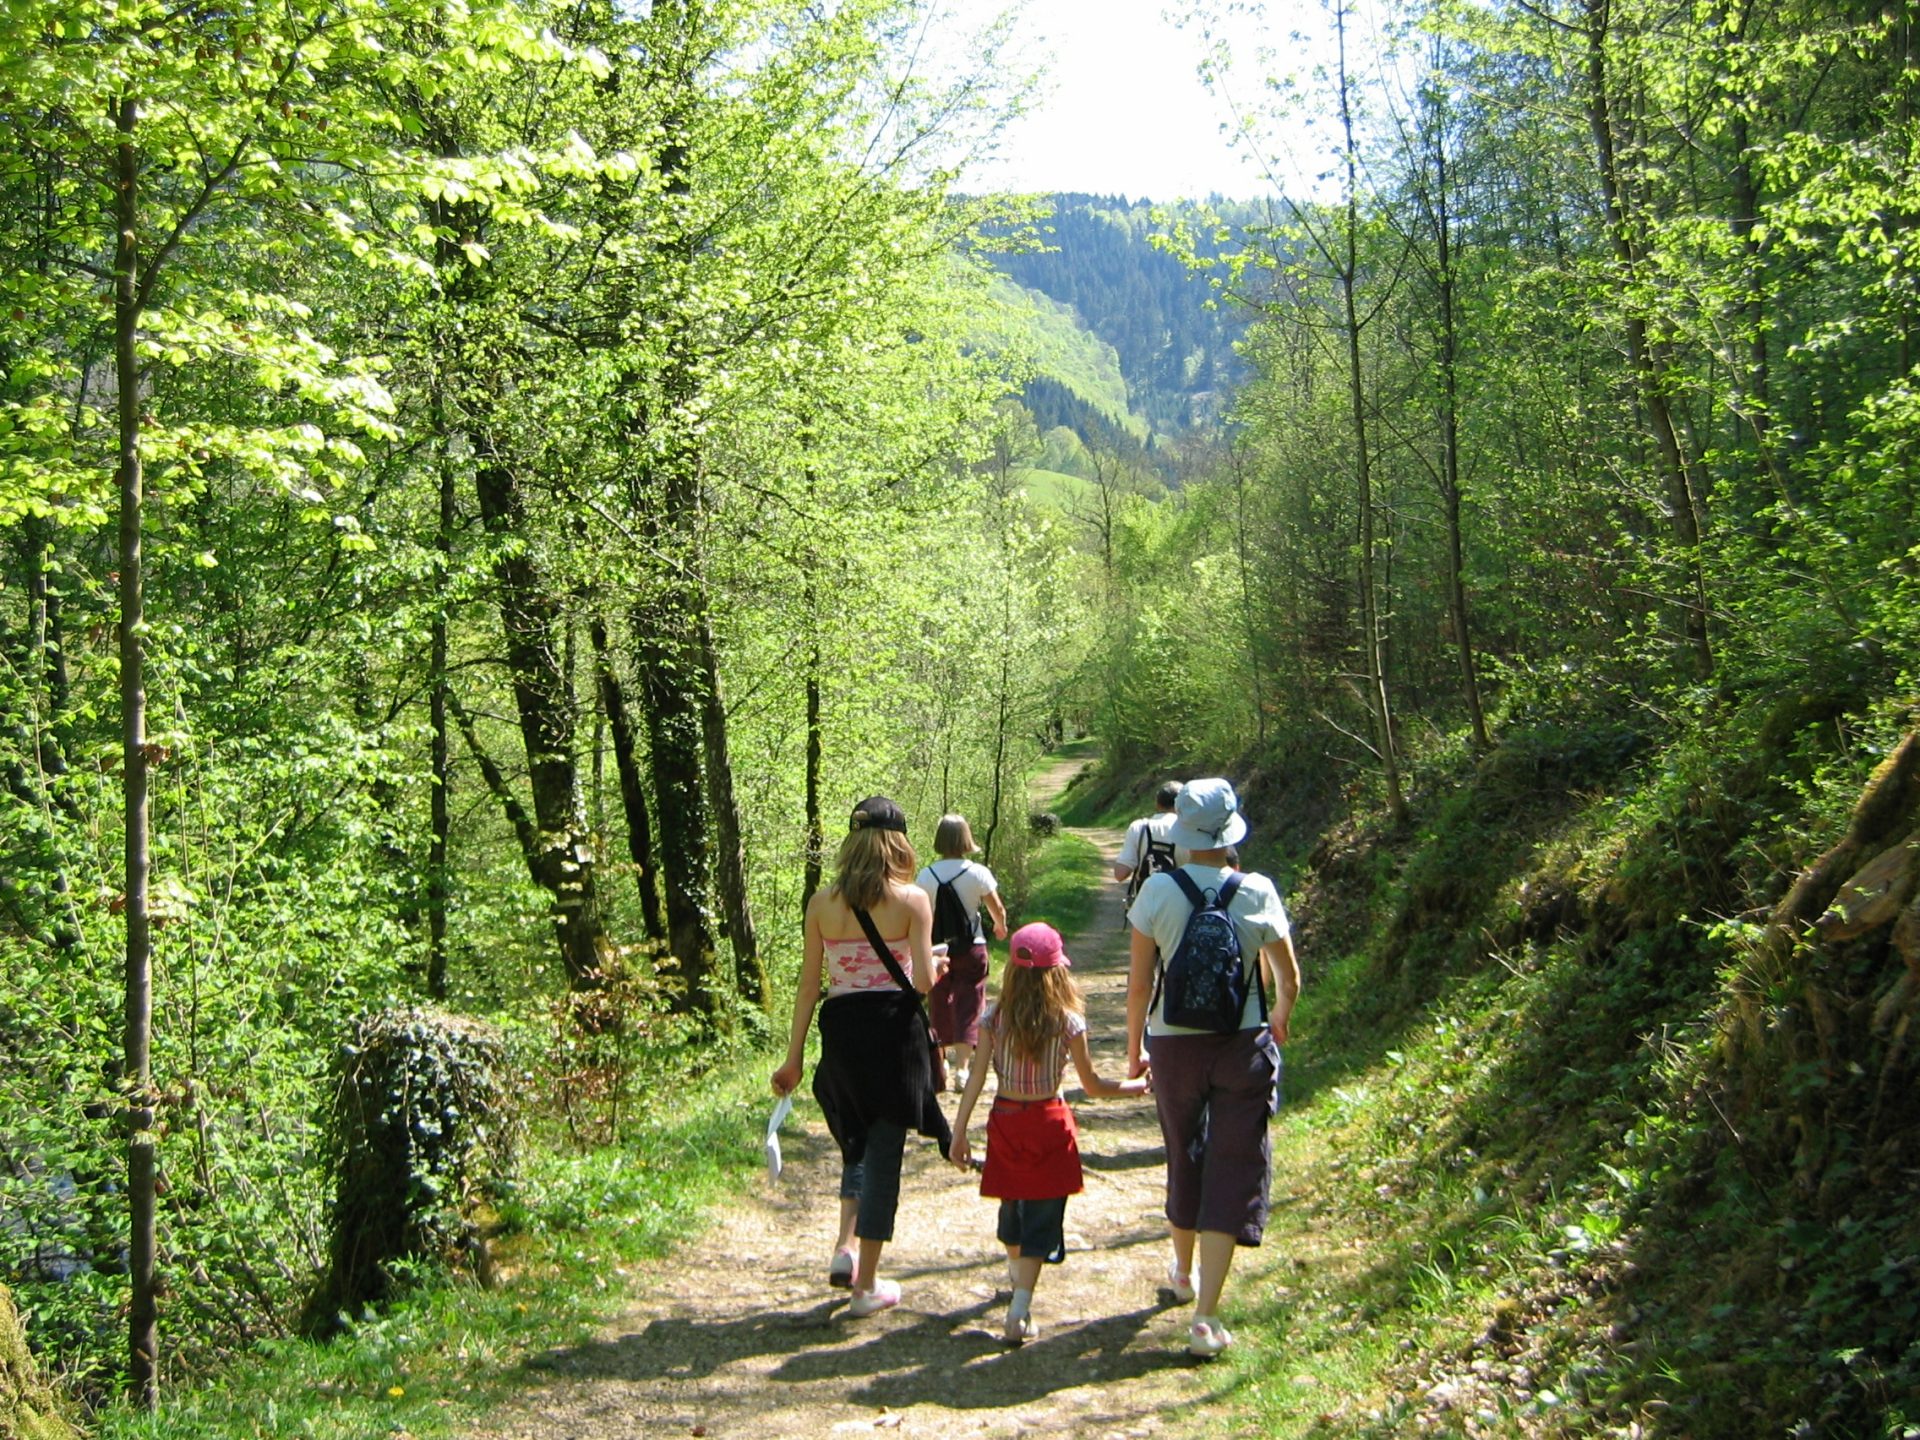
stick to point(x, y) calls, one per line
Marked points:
point(869, 953)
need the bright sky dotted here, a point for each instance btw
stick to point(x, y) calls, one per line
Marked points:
point(1121, 109)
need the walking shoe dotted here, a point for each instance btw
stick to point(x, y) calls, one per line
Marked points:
point(884, 1295)
point(1018, 1332)
point(1207, 1338)
point(1179, 1286)
point(840, 1272)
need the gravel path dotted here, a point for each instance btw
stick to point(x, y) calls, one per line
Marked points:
point(759, 1345)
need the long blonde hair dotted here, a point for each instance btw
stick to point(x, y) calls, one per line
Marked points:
point(869, 859)
point(1034, 1005)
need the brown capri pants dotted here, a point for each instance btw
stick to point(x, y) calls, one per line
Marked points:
point(1215, 1095)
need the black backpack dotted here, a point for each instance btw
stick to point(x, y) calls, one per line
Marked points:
point(1157, 860)
point(951, 922)
point(1205, 982)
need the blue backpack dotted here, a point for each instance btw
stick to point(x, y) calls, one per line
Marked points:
point(1205, 981)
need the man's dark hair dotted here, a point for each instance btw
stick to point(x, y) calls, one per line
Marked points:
point(1167, 794)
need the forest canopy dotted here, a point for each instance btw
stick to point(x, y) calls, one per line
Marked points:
point(484, 487)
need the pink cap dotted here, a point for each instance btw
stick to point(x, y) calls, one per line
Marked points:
point(1037, 947)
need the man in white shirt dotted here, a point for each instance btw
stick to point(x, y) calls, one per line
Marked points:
point(1147, 847)
point(1214, 1092)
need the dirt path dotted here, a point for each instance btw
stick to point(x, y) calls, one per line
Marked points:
point(758, 1345)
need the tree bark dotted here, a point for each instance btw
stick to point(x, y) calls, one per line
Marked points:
point(633, 795)
point(749, 975)
point(563, 863)
point(136, 1075)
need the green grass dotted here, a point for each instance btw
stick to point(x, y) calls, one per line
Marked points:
point(1063, 883)
point(450, 1351)
point(1052, 488)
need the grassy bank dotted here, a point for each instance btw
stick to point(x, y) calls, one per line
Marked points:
point(573, 1229)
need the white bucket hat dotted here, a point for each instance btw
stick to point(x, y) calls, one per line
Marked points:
point(1207, 816)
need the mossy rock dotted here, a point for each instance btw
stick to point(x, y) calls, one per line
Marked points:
point(28, 1410)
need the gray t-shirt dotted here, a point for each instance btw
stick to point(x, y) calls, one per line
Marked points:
point(1161, 910)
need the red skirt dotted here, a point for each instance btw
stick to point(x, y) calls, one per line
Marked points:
point(1033, 1151)
point(953, 1005)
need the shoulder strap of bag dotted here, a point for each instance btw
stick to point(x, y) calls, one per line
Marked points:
point(884, 951)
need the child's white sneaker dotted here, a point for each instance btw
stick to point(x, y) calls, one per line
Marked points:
point(1020, 1330)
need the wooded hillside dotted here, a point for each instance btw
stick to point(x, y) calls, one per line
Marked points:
point(484, 489)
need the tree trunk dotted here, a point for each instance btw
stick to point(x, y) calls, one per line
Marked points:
point(439, 756)
point(1377, 697)
point(1450, 486)
point(667, 660)
point(749, 975)
point(1686, 504)
point(816, 833)
point(136, 1074)
point(563, 863)
point(633, 795)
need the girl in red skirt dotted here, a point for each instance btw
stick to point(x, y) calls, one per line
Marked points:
point(1033, 1145)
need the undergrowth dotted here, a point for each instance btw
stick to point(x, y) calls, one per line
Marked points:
point(567, 1237)
point(1530, 1208)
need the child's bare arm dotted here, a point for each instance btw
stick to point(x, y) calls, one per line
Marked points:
point(1090, 1079)
point(960, 1152)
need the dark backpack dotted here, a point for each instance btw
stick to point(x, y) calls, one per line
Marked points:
point(951, 922)
point(1205, 981)
point(1157, 860)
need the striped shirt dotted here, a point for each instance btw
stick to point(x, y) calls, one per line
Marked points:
point(1016, 1075)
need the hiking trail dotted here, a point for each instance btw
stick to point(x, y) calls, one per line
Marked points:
point(737, 1334)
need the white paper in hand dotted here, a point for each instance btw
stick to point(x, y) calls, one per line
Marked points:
point(780, 1113)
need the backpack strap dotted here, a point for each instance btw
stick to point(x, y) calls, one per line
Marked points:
point(885, 952)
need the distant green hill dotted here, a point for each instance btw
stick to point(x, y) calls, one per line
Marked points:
point(1174, 354)
point(1026, 325)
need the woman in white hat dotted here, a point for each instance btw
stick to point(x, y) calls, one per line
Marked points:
point(1215, 1086)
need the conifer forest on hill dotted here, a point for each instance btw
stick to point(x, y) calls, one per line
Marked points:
point(485, 487)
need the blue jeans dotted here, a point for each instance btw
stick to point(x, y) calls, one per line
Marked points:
point(874, 1180)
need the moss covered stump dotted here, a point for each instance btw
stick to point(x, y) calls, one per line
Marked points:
point(416, 1125)
point(27, 1407)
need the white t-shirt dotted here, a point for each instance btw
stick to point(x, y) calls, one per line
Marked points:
point(1133, 849)
point(1161, 910)
point(970, 882)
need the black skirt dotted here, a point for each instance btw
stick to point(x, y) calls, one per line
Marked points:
point(876, 1063)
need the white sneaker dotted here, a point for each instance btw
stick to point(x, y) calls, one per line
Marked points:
point(884, 1295)
point(1208, 1338)
point(1018, 1332)
point(1179, 1286)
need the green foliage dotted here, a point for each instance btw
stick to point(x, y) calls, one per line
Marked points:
point(444, 1355)
point(419, 1124)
